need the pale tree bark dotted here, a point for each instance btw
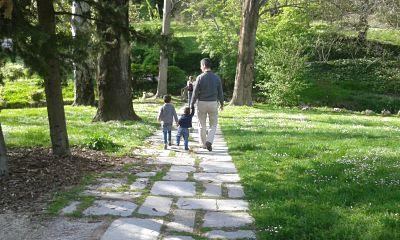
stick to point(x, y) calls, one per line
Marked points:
point(83, 77)
point(163, 65)
point(242, 94)
point(3, 155)
point(113, 78)
point(52, 80)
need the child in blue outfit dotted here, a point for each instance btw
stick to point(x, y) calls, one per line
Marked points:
point(184, 123)
point(166, 116)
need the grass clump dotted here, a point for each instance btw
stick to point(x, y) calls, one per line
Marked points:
point(317, 174)
point(101, 143)
point(63, 198)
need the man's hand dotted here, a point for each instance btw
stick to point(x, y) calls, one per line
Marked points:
point(221, 108)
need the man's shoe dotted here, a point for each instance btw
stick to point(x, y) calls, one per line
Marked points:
point(165, 147)
point(170, 143)
point(209, 146)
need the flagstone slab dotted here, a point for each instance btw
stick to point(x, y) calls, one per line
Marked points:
point(133, 229)
point(187, 169)
point(146, 174)
point(139, 184)
point(227, 219)
point(219, 158)
point(240, 234)
point(125, 196)
point(174, 188)
point(216, 177)
point(156, 206)
point(176, 176)
point(178, 238)
point(72, 207)
point(184, 161)
point(232, 205)
point(109, 183)
point(235, 190)
point(108, 207)
point(218, 167)
point(183, 221)
point(196, 203)
point(212, 190)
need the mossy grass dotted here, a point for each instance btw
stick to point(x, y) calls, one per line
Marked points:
point(63, 198)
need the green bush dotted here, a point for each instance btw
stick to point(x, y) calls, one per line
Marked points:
point(326, 44)
point(176, 80)
point(37, 96)
point(13, 71)
point(101, 143)
point(354, 84)
point(189, 62)
point(281, 58)
point(144, 78)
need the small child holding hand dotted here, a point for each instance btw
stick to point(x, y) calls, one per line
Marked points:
point(184, 123)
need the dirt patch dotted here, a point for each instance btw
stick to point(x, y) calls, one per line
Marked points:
point(35, 175)
point(23, 227)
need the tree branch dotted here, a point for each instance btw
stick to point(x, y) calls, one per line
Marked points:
point(286, 5)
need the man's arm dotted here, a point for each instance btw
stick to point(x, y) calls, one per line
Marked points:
point(196, 90)
point(220, 94)
point(192, 112)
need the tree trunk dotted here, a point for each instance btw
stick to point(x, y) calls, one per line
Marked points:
point(363, 27)
point(83, 78)
point(163, 66)
point(52, 80)
point(113, 78)
point(246, 50)
point(3, 155)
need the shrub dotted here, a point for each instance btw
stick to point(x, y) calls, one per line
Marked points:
point(37, 96)
point(100, 143)
point(328, 45)
point(144, 78)
point(176, 79)
point(281, 58)
point(189, 62)
point(12, 71)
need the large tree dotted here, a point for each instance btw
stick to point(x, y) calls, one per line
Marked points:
point(163, 65)
point(251, 12)
point(113, 72)
point(52, 79)
point(246, 50)
point(31, 31)
point(83, 75)
point(3, 155)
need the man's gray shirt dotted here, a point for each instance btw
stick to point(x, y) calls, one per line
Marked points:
point(208, 88)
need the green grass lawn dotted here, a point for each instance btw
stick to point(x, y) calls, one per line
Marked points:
point(317, 174)
point(381, 35)
point(29, 127)
point(17, 94)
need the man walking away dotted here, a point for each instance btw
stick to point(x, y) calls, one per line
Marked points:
point(207, 93)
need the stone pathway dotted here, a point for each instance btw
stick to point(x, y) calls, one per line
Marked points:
point(174, 195)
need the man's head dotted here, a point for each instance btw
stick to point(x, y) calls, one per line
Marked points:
point(167, 98)
point(205, 64)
